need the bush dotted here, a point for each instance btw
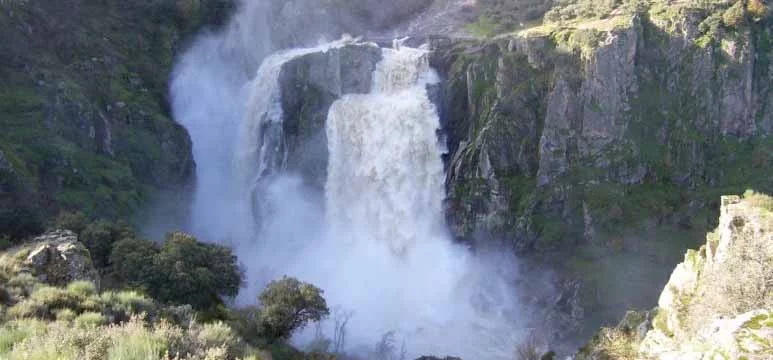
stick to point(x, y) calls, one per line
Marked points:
point(90, 320)
point(217, 335)
point(73, 221)
point(735, 15)
point(195, 273)
point(99, 238)
point(288, 305)
point(122, 304)
point(82, 288)
point(16, 331)
point(18, 223)
point(183, 271)
point(132, 263)
point(757, 10)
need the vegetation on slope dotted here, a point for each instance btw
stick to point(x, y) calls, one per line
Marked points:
point(172, 310)
point(83, 104)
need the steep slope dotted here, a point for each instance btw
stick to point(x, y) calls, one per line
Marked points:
point(578, 131)
point(718, 302)
point(83, 102)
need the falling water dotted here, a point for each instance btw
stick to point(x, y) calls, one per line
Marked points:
point(375, 241)
point(260, 150)
point(385, 175)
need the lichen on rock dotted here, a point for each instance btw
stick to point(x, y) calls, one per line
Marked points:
point(57, 258)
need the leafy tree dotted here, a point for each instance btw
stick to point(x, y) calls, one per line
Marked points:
point(182, 271)
point(195, 273)
point(99, 238)
point(17, 223)
point(288, 305)
point(132, 263)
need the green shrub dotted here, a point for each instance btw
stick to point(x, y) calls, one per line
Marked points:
point(132, 263)
point(183, 271)
point(217, 335)
point(16, 331)
point(123, 304)
point(73, 221)
point(757, 9)
point(735, 15)
point(82, 288)
point(18, 223)
point(195, 273)
point(134, 341)
point(99, 238)
point(90, 320)
point(761, 201)
point(29, 309)
point(55, 298)
point(288, 305)
point(65, 315)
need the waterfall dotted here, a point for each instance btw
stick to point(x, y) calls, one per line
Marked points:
point(376, 242)
point(260, 150)
point(385, 175)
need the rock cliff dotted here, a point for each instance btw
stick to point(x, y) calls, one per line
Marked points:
point(573, 133)
point(718, 303)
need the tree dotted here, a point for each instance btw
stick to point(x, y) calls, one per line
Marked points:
point(182, 271)
point(132, 264)
point(288, 305)
point(99, 238)
point(195, 273)
point(21, 222)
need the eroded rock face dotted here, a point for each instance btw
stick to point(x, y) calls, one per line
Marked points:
point(718, 303)
point(310, 84)
point(547, 131)
point(719, 300)
point(58, 259)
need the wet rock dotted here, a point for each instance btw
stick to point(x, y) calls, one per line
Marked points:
point(310, 84)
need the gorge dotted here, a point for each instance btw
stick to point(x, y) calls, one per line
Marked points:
point(459, 177)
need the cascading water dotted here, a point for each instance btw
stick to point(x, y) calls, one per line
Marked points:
point(384, 196)
point(376, 242)
point(385, 176)
point(260, 150)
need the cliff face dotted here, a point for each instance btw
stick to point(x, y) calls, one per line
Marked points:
point(566, 134)
point(718, 303)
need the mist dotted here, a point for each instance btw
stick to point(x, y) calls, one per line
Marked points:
point(374, 240)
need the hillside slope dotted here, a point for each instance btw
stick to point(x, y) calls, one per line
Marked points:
point(83, 103)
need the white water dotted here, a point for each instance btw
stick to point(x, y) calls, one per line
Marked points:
point(260, 150)
point(385, 175)
point(375, 241)
point(208, 94)
point(385, 194)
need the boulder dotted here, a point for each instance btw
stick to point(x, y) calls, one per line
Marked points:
point(58, 258)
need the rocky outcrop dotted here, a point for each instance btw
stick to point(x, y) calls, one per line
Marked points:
point(305, 22)
point(309, 85)
point(718, 302)
point(57, 258)
point(563, 135)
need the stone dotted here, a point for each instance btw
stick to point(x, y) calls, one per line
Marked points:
point(57, 258)
point(309, 85)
